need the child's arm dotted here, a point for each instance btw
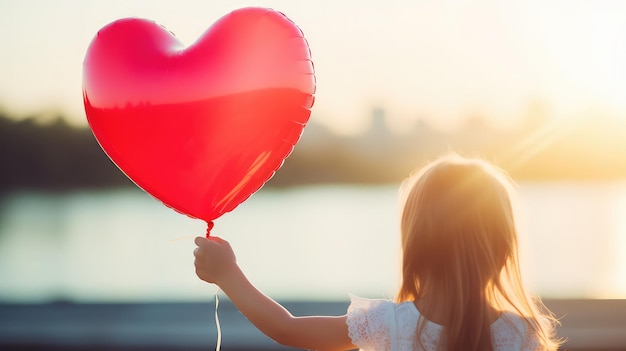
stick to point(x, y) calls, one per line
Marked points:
point(215, 263)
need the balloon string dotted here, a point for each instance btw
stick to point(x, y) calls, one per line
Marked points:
point(217, 298)
point(217, 322)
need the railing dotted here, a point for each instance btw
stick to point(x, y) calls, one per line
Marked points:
point(587, 324)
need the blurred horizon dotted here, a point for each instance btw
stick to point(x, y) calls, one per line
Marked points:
point(590, 147)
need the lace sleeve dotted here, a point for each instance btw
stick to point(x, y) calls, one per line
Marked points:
point(368, 323)
point(530, 342)
point(513, 332)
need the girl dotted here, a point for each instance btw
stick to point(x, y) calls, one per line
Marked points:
point(461, 287)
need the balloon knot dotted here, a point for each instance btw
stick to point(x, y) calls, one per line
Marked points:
point(209, 226)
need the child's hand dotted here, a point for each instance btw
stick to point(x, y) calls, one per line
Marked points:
point(215, 259)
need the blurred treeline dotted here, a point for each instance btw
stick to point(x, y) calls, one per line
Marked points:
point(54, 155)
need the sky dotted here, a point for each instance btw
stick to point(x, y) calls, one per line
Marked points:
point(440, 60)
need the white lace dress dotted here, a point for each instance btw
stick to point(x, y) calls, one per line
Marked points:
point(382, 325)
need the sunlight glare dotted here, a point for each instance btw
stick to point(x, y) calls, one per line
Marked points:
point(586, 48)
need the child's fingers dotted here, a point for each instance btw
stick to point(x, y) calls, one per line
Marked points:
point(202, 241)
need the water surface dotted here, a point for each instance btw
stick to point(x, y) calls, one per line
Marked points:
point(315, 243)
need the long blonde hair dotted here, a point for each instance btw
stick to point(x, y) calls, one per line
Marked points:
point(459, 239)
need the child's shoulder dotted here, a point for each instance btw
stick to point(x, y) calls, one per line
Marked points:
point(363, 309)
point(514, 330)
point(511, 319)
point(384, 307)
point(361, 305)
point(379, 314)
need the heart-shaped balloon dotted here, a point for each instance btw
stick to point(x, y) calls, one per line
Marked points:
point(203, 127)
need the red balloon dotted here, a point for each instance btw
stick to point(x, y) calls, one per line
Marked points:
point(203, 127)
